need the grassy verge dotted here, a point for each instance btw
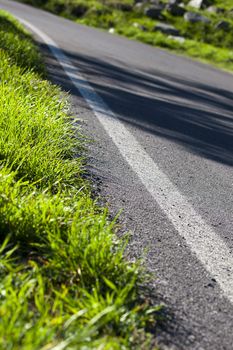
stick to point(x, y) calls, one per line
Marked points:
point(65, 283)
point(201, 40)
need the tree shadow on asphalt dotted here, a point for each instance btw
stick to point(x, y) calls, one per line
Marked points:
point(197, 116)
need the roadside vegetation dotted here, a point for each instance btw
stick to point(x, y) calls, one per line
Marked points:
point(210, 38)
point(64, 281)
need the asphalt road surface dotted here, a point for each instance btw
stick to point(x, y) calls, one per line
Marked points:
point(163, 152)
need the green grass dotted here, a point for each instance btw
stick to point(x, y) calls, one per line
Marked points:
point(65, 283)
point(202, 42)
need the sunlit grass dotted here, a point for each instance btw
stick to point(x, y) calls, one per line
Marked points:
point(64, 281)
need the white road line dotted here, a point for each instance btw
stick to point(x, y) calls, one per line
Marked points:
point(210, 249)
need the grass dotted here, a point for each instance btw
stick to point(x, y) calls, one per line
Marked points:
point(65, 283)
point(203, 41)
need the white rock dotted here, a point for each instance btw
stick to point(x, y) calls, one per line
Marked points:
point(180, 39)
point(196, 3)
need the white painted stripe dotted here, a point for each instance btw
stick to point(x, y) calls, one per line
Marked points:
point(210, 249)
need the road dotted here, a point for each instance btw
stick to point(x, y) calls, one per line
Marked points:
point(163, 152)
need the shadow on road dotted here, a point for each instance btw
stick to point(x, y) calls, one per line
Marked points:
point(197, 116)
